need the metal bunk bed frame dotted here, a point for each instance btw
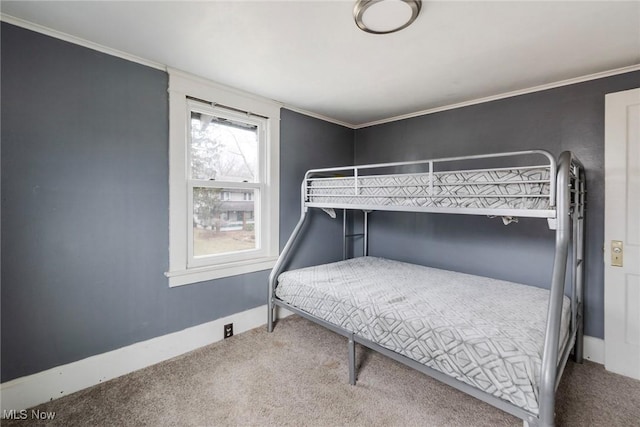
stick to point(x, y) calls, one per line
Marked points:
point(565, 215)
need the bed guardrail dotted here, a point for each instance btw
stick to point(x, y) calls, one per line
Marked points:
point(527, 190)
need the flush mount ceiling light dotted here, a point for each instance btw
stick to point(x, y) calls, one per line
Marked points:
point(385, 16)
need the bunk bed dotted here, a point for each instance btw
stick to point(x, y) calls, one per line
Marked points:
point(502, 342)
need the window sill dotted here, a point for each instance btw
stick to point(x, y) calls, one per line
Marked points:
point(201, 274)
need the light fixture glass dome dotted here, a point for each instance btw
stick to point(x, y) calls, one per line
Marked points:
point(385, 16)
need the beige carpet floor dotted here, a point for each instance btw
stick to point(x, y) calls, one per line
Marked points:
point(297, 376)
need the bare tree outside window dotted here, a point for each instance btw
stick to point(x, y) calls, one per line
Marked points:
point(222, 151)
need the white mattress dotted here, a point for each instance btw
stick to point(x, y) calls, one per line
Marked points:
point(485, 332)
point(512, 188)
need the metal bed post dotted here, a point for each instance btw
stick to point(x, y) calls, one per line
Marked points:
point(552, 334)
point(581, 198)
point(284, 256)
point(575, 188)
point(352, 359)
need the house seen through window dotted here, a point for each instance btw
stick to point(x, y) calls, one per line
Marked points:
point(224, 184)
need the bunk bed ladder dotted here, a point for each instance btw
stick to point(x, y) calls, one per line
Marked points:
point(364, 234)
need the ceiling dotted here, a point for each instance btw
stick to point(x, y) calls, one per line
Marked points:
point(310, 55)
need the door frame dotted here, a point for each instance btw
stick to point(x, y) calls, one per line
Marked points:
point(616, 197)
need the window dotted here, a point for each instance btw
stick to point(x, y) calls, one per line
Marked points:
point(223, 177)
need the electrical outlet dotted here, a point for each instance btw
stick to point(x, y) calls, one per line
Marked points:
point(228, 330)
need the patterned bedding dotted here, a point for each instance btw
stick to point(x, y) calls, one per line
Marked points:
point(485, 332)
point(513, 188)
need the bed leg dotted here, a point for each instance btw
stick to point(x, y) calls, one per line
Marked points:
point(270, 316)
point(352, 361)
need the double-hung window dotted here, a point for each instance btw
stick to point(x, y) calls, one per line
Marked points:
point(223, 177)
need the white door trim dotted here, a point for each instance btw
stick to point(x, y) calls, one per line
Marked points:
point(622, 224)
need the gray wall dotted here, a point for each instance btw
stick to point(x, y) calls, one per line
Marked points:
point(565, 118)
point(85, 205)
point(312, 144)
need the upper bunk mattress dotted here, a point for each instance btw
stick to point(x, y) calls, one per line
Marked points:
point(485, 332)
point(524, 188)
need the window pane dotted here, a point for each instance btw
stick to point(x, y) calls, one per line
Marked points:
point(223, 150)
point(223, 220)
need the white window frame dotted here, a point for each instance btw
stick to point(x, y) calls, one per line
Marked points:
point(182, 268)
point(257, 186)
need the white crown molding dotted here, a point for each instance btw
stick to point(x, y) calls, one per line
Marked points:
point(533, 89)
point(79, 41)
point(320, 116)
point(114, 52)
point(202, 83)
point(133, 58)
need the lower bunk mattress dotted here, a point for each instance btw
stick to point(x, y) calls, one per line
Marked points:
point(485, 332)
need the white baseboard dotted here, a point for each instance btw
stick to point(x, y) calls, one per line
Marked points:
point(32, 390)
point(594, 349)
point(26, 392)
